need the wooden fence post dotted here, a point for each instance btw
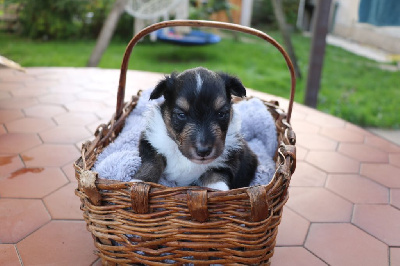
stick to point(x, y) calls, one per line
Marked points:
point(317, 52)
point(106, 32)
point(281, 19)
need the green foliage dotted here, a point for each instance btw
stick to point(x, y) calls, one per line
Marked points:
point(61, 19)
point(263, 12)
point(209, 7)
point(124, 29)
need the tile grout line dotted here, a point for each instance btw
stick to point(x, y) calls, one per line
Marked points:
point(19, 255)
point(304, 245)
point(37, 229)
point(364, 230)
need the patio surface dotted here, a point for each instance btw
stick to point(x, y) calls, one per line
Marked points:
point(344, 206)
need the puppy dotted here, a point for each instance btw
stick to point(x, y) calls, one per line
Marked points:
point(194, 137)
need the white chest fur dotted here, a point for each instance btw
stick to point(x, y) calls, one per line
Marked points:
point(179, 168)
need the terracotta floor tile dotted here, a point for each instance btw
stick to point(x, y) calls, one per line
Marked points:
point(8, 255)
point(80, 81)
point(32, 182)
point(324, 120)
point(111, 103)
point(319, 205)
point(20, 217)
point(294, 256)
point(106, 112)
point(394, 256)
point(48, 73)
point(137, 81)
point(395, 197)
point(77, 119)
point(363, 153)
point(302, 108)
point(301, 153)
point(10, 115)
point(293, 229)
point(85, 106)
point(342, 135)
point(58, 243)
point(71, 89)
point(109, 87)
point(18, 142)
point(65, 134)
point(30, 125)
point(50, 155)
point(315, 142)
point(381, 221)
point(2, 129)
point(394, 159)
point(17, 103)
point(97, 263)
point(44, 110)
point(47, 84)
point(93, 95)
point(93, 126)
point(360, 130)
point(332, 162)
point(69, 171)
point(358, 189)
point(8, 164)
point(63, 204)
point(78, 144)
point(5, 95)
point(58, 77)
point(384, 174)
point(382, 144)
point(10, 86)
point(8, 75)
point(307, 175)
point(57, 98)
point(300, 126)
point(50, 77)
point(29, 92)
point(345, 244)
point(21, 81)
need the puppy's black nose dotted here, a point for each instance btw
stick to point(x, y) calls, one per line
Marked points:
point(203, 151)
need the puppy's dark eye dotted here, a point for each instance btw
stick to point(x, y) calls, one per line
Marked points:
point(181, 116)
point(222, 115)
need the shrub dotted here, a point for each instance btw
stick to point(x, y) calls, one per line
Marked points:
point(263, 12)
point(61, 19)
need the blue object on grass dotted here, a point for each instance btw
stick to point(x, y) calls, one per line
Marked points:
point(195, 37)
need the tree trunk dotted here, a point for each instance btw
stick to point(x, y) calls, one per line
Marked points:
point(317, 52)
point(106, 32)
point(280, 17)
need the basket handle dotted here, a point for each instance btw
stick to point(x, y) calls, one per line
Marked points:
point(199, 23)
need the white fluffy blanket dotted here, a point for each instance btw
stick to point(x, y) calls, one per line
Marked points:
point(120, 160)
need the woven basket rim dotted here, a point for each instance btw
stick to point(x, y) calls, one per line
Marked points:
point(103, 183)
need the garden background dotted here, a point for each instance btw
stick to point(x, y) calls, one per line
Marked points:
point(63, 33)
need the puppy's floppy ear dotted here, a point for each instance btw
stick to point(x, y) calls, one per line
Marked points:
point(233, 85)
point(164, 86)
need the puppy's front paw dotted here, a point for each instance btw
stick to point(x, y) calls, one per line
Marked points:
point(219, 186)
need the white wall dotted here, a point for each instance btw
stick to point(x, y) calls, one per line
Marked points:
point(346, 25)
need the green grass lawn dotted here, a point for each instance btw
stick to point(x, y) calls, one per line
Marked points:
point(352, 87)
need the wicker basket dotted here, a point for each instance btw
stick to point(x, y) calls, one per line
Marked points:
point(150, 224)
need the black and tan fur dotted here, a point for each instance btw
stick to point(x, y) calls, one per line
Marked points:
point(193, 137)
